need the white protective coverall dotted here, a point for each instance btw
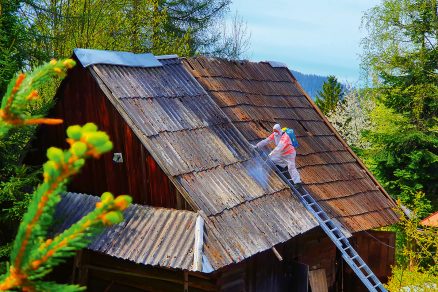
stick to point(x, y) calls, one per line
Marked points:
point(284, 153)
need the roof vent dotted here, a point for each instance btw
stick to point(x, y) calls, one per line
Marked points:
point(89, 57)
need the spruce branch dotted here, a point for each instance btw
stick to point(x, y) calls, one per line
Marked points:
point(23, 90)
point(52, 251)
point(32, 257)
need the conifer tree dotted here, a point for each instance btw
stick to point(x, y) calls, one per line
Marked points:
point(331, 93)
point(12, 42)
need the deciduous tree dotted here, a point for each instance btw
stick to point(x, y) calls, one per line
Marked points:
point(401, 54)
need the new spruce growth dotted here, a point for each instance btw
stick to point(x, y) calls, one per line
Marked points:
point(22, 91)
point(33, 254)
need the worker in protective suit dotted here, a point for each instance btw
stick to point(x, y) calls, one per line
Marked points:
point(284, 153)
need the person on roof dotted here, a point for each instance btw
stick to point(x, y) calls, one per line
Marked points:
point(284, 153)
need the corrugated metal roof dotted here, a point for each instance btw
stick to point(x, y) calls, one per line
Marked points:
point(165, 237)
point(207, 158)
point(149, 235)
point(254, 226)
point(255, 96)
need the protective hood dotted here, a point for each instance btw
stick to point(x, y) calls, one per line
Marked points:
point(278, 132)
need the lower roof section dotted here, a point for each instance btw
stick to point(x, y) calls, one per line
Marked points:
point(149, 235)
point(165, 237)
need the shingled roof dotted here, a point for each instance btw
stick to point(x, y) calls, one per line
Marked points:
point(255, 96)
point(249, 208)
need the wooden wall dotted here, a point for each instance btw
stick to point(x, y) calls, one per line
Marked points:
point(104, 273)
point(377, 249)
point(262, 272)
point(80, 100)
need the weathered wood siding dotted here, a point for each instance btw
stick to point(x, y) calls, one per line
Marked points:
point(104, 273)
point(80, 100)
point(377, 249)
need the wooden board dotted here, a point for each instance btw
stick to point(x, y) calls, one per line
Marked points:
point(318, 280)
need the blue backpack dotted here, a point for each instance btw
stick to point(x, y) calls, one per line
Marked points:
point(292, 136)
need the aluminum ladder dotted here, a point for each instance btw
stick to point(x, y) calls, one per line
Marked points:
point(349, 254)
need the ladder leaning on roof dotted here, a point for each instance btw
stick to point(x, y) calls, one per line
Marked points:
point(350, 255)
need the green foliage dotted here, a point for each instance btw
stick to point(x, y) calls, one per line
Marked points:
point(403, 158)
point(327, 99)
point(401, 55)
point(15, 195)
point(413, 280)
point(417, 246)
point(18, 181)
point(200, 18)
point(57, 27)
point(12, 42)
point(33, 255)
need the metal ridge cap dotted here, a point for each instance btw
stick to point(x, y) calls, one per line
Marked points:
point(89, 57)
point(276, 64)
point(167, 57)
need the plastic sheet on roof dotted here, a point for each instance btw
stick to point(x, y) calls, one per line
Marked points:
point(89, 57)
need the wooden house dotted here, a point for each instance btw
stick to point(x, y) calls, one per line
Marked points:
point(182, 130)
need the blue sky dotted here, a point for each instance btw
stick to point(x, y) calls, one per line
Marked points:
point(313, 36)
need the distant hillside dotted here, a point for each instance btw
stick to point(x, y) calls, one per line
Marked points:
point(310, 82)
